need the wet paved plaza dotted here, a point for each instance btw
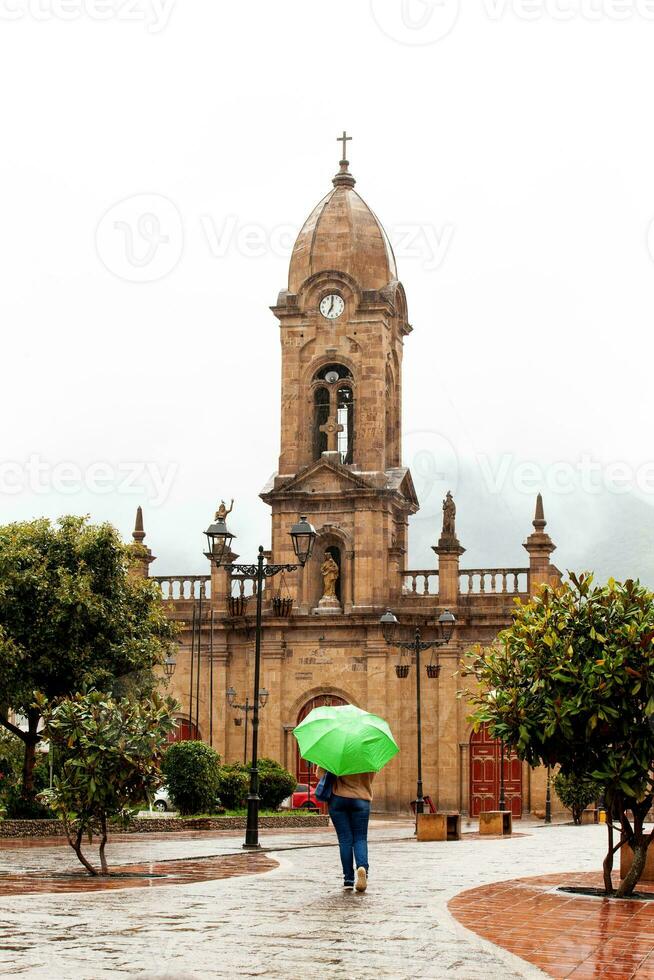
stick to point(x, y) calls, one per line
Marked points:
point(291, 921)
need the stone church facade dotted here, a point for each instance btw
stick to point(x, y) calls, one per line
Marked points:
point(343, 323)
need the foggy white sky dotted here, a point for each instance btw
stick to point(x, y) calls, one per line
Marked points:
point(158, 158)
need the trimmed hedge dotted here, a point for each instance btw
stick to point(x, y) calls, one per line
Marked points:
point(192, 771)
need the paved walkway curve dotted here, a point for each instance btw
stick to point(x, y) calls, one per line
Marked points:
point(290, 922)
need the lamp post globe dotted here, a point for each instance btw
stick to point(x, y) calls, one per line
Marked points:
point(219, 541)
point(169, 665)
point(303, 535)
point(389, 624)
point(447, 622)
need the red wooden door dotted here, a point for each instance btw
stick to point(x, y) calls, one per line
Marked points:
point(184, 731)
point(485, 756)
point(302, 766)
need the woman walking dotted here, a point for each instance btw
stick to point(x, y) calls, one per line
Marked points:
point(349, 745)
point(349, 811)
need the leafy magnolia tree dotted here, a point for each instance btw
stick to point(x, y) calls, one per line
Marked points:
point(575, 792)
point(108, 752)
point(192, 771)
point(71, 617)
point(571, 683)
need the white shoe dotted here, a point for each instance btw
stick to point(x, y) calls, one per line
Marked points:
point(362, 880)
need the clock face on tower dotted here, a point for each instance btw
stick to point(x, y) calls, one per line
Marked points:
point(332, 306)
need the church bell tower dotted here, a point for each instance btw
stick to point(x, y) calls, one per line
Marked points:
point(343, 320)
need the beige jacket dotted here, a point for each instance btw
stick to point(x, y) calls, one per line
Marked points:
point(356, 787)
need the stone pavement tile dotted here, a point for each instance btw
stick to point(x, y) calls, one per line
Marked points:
point(289, 921)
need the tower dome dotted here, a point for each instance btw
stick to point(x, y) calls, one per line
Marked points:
point(344, 235)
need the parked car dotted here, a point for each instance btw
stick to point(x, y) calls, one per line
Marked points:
point(161, 800)
point(304, 799)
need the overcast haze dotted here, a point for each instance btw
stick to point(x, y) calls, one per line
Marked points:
point(156, 166)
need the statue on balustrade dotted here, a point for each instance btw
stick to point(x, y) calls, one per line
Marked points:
point(449, 516)
point(222, 512)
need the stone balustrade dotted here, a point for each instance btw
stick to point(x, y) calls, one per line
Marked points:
point(244, 586)
point(179, 588)
point(420, 582)
point(493, 581)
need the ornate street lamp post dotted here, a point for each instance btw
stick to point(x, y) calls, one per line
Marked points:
point(390, 625)
point(246, 709)
point(548, 797)
point(219, 540)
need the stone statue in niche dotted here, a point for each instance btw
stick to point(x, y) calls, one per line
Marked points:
point(330, 573)
point(329, 603)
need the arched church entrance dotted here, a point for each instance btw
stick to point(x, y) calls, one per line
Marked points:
point(301, 765)
point(485, 762)
point(184, 731)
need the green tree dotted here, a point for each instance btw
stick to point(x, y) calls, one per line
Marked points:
point(571, 683)
point(192, 772)
point(72, 617)
point(576, 793)
point(108, 752)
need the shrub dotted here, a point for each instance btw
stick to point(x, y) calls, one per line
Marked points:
point(233, 782)
point(20, 807)
point(192, 772)
point(575, 793)
point(275, 783)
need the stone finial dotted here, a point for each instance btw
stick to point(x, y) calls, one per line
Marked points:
point(539, 518)
point(539, 542)
point(141, 556)
point(539, 546)
point(138, 533)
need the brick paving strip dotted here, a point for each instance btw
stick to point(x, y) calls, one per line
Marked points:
point(289, 922)
point(563, 934)
point(179, 871)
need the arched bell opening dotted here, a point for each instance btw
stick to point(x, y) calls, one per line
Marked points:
point(333, 412)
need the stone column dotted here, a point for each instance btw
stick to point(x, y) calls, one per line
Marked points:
point(271, 732)
point(377, 655)
point(221, 585)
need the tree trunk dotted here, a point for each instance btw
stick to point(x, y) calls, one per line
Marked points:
point(76, 844)
point(31, 738)
point(607, 865)
point(103, 843)
point(632, 877)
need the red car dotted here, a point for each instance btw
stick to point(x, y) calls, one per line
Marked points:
point(302, 799)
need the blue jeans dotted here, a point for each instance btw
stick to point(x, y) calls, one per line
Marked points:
point(350, 818)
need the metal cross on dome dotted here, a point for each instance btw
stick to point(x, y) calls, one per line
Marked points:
point(344, 139)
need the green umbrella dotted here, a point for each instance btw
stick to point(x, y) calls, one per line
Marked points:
point(345, 740)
